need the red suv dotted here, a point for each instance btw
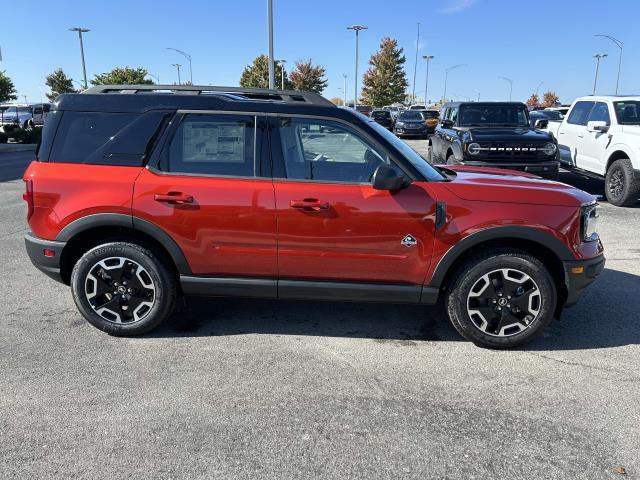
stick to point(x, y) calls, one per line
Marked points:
point(141, 194)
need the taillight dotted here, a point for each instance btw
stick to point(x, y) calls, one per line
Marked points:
point(28, 197)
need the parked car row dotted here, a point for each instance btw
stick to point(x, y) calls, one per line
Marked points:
point(24, 116)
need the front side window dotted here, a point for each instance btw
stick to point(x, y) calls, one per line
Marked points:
point(580, 113)
point(600, 112)
point(327, 151)
point(206, 144)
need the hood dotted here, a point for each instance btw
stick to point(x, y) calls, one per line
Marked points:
point(507, 134)
point(509, 186)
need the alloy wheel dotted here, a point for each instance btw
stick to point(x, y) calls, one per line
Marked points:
point(616, 183)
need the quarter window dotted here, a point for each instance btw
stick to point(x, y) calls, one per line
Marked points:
point(212, 145)
point(580, 113)
point(326, 151)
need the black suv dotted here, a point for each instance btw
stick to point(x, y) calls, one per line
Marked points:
point(493, 134)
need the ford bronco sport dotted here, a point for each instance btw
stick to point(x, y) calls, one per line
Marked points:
point(141, 194)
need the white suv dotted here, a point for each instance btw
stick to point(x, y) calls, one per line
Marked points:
point(601, 136)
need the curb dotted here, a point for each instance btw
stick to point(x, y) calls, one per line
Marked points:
point(17, 147)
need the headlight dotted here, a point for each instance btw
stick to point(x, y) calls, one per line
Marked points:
point(473, 149)
point(549, 149)
point(399, 124)
point(589, 223)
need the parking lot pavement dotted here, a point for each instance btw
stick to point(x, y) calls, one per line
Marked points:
point(274, 389)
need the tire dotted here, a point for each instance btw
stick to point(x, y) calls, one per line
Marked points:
point(451, 159)
point(486, 306)
point(430, 154)
point(144, 289)
point(621, 189)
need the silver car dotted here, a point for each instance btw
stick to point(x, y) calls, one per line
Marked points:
point(16, 116)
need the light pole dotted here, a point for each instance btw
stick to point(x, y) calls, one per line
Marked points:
point(80, 31)
point(415, 66)
point(177, 65)
point(446, 76)
point(157, 77)
point(510, 85)
point(619, 44)
point(356, 28)
point(428, 58)
point(344, 89)
point(597, 56)
point(188, 57)
point(272, 78)
point(538, 88)
point(281, 62)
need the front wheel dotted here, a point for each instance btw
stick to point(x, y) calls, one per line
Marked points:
point(621, 188)
point(123, 288)
point(501, 299)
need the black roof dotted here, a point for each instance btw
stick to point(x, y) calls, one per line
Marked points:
point(143, 98)
point(457, 104)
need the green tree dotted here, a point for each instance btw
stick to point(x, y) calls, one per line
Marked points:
point(256, 75)
point(385, 81)
point(308, 77)
point(7, 89)
point(59, 83)
point(550, 99)
point(123, 76)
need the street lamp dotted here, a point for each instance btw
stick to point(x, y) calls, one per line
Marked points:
point(344, 89)
point(281, 62)
point(538, 88)
point(415, 65)
point(597, 56)
point(188, 57)
point(272, 78)
point(356, 28)
point(157, 77)
point(619, 44)
point(446, 76)
point(428, 58)
point(80, 31)
point(177, 65)
point(510, 85)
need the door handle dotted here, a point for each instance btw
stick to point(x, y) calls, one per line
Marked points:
point(173, 198)
point(309, 205)
point(580, 136)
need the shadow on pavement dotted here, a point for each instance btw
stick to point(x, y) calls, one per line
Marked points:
point(606, 316)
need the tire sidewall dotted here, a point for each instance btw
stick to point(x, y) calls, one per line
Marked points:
point(619, 165)
point(162, 280)
point(457, 299)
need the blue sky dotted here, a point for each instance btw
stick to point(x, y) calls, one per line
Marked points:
point(528, 41)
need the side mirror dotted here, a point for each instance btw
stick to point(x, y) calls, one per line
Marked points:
point(542, 123)
point(387, 177)
point(597, 126)
point(446, 123)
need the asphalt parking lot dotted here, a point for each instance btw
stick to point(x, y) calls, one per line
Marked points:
point(274, 389)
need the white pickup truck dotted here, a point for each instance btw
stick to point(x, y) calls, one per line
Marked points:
point(600, 137)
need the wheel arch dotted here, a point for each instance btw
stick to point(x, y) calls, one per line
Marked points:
point(86, 232)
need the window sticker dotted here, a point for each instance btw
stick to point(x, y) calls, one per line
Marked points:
point(214, 142)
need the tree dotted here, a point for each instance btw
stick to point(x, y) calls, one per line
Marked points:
point(7, 89)
point(59, 83)
point(385, 81)
point(123, 76)
point(308, 77)
point(550, 99)
point(533, 101)
point(256, 75)
point(337, 101)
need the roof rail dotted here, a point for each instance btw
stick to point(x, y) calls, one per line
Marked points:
point(237, 93)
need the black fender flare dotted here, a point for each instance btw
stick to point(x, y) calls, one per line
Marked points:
point(127, 221)
point(531, 234)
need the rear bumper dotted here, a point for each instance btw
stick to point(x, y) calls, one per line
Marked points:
point(579, 274)
point(536, 168)
point(35, 249)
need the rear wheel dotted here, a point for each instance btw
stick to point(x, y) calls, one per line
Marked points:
point(123, 288)
point(501, 299)
point(451, 159)
point(621, 188)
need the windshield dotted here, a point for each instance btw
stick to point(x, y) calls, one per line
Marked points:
point(628, 112)
point(380, 114)
point(410, 115)
point(409, 153)
point(431, 114)
point(504, 115)
point(552, 114)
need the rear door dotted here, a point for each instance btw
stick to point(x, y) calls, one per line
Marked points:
point(572, 131)
point(206, 190)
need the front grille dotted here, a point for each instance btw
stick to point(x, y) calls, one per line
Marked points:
point(511, 151)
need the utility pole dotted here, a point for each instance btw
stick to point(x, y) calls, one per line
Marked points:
point(619, 44)
point(597, 56)
point(510, 85)
point(80, 31)
point(272, 78)
point(428, 58)
point(356, 28)
point(415, 66)
point(344, 89)
point(188, 57)
point(177, 65)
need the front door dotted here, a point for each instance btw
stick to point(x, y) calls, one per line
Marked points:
point(592, 145)
point(206, 190)
point(571, 133)
point(332, 224)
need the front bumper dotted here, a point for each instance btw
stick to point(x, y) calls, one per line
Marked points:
point(50, 265)
point(407, 132)
point(536, 168)
point(579, 274)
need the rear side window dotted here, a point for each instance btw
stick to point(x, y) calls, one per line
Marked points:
point(580, 113)
point(212, 145)
point(80, 134)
